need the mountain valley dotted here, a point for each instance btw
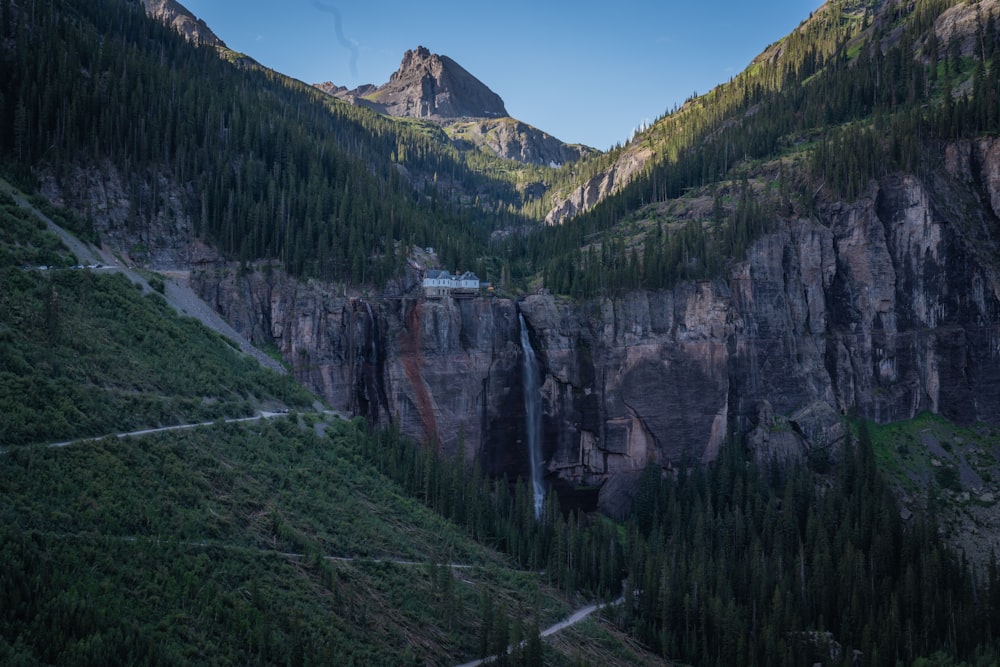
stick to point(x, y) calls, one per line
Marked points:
point(767, 332)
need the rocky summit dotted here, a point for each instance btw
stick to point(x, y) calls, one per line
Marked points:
point(427, 85)
point(436, 88)
point(183, 21)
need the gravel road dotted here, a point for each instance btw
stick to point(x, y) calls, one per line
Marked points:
point(177, 293)
point(575, 618)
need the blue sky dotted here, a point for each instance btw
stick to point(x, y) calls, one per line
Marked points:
point(585, 72)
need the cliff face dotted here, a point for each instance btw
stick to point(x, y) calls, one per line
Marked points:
point(600, 186)
point(446, 370)
point(514, 140)
point(887, 306)
point(180, 19)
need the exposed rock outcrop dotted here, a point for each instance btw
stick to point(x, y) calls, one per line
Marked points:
point(446, 370)
point(773, 439)
point(631, 162)
point(436, 88)
point(176, 15)
point(887, 306)
point(427, 85)
point(514, 140)
point(160, 237)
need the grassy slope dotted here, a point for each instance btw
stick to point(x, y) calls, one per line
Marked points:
point(951, 470)
point(178, 547)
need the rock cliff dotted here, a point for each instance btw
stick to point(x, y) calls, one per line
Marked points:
point(514, 140)
point(446, 370)
point(175, 15)
point(586, 196)
point(884, 307)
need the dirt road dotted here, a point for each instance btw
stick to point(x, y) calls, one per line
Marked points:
point(576, 617)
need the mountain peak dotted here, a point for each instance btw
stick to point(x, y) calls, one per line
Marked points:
point(177, 16)
point(417, 58)
point(428, 85)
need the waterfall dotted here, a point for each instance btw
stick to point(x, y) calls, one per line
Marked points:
point(370, 377)
point(533, 416)
point(373, 334)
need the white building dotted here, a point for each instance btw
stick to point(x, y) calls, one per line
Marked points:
point(439, 283)
point(467, 281)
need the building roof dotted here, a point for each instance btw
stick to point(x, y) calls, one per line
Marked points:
point(437, 274)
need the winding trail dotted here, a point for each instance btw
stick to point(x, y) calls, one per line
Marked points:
point(576, 617)
point(177, 427)
point(145, 431)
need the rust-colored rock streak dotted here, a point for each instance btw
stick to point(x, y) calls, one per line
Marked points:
point(410, 343)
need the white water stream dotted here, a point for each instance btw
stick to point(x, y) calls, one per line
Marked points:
point(533, 417)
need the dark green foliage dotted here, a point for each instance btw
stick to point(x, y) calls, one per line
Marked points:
point(947, 478)
point(728, 564)
point(737, 571)
point(156, 282)
point(85, 354)
point(208, 547)
point(158, 549)
point(843, 102)
point(25, 241)
point(268, 167)
point(501, 513)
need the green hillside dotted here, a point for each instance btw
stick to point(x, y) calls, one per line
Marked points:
point(860, 90)
point(272, 541)
point(305, 539)
point(263, 542)
point(211, 546)
point(85, 353)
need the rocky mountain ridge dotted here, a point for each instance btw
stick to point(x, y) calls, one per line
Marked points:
point(436, 88)
point(957, 26)
point(426, 85)
point(514, 140)
point(183, 21)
